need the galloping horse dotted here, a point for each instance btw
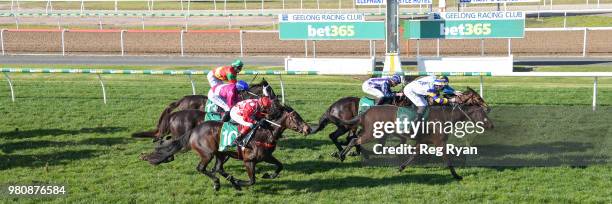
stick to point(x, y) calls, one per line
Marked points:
point(195, 105)
point(345, 109)
point(206, 137)
point(473, 108)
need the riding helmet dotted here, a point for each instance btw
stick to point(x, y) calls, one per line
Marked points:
point(242, 85)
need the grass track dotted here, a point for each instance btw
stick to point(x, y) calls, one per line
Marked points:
point(68, 136)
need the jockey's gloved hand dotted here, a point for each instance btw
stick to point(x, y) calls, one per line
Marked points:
point(452, 100)
point(264, 124)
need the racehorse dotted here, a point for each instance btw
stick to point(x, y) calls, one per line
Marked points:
point(473, 108)
point(345, 109)
point(205, 140)
point(198, 102)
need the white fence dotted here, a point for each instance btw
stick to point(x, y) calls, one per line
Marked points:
point(309, 46)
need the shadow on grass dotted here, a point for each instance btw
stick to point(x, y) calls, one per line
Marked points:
point(19, 134)
point(322, 184)
point(319, 166)
point(303, 143)
point(40, 160)
point(22, 145)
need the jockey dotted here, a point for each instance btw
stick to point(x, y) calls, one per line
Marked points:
point(429, 86)
point(247, 113)
point(224, 73)
point(380, 88)
point(226, 96)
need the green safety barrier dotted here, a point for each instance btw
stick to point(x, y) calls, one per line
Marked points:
point(204, 72)
point(78, 14)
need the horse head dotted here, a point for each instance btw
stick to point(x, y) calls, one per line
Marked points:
point(477, 108)
point(287, 117)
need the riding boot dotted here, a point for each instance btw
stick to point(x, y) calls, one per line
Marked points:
point(381, 100)
point(418, 116)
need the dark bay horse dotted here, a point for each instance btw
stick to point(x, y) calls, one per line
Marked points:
point(198, 102)
point(205, 139)
point(345, 109)
point(473, 109)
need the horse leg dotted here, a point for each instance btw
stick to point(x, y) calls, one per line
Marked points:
point(411, 158)
point(347, 149)
point(279, 167)
point(221, 159)
point(250, 167)
point(447, 159)
point(211, 174)
point(334, 138)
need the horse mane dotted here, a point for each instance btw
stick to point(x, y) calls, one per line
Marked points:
point(263, 82)
point(470, 90)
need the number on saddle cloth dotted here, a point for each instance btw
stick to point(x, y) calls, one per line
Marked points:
point(365, 103)
point(212, 111)
point(229, 133)
point(409, 113)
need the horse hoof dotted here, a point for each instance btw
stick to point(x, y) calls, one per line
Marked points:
point(401, 168)
point(237, 187)
point(269, 176)
point(334, 154)
point(459, 178)
point(217, 186)
point(354, 154)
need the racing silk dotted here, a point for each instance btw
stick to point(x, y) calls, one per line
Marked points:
point(227, 92)
point(226, 73)
point(249, 110)
point(425, 87)
point(381, 84)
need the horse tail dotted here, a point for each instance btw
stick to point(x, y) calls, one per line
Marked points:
point(167, 149)
point(356, 120)
point(162, 123)
point(323, 121)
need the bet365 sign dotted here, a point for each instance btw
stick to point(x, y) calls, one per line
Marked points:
point(469, 25)
point(369, 30)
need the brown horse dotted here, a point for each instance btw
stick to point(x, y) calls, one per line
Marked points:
point(345, 109)
point(198, 102)
point(473, 109)
point(205, 139)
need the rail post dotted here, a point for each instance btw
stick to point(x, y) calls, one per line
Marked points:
point(438, 47)
point(482, 51)
point(584, 43)
point(564, 19)
point(418, 48)
point(82, 6)
point(63, 43)
point(193, 90)
point(314, 49)
point(182, 45)
point(10, 86)
point(509, 46)
point(282, 85)
point(594, 93)
point(2, 40)
point(116, 9)
point(305, 48)
point(370, 46)
point(103, 88)
point(481, 87)
point(122, 43)
point(241, 44)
